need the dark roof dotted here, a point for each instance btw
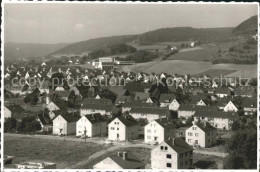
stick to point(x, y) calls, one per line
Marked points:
point(216, 114)
point(249, 102)
point(95, 118)
point(247, 90)
point(179, 145)
point(223, 101)
point(166, 98)
point(63, 93)
point(118, 90)
point(123, 99)
point(141, 96)
point(70, 117)
point(105, 107)
point(185, 107)
point(165, 123)
point(44, 118)
point(87, 101)
point(130, 163)
point(149, 110)
point(206, 127)
point(15, 108)
point(139, 104)
point(127, 120)
point(222, 90)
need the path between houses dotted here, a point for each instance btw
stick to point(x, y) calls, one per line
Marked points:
point(219, 154)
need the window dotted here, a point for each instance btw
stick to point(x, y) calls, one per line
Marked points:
point(197, 134)
point(117, 128)
point(169, 165)
point(169, 156)
point(193, 128)
point(149, 137)
point(190, 140)
point(186, 162)
point(166, 148)
point(112, 128)
point(189, 134)
point(161, 147)
point(148, 131)
point(185, 154)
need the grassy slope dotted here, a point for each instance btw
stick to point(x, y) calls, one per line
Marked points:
point(64, 153)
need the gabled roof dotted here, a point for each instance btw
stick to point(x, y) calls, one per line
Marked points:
point(44, 118)
point(88, 101)
point(139, 104)
point(147, 110)
point(141, 96)
point(246, 90)
point(95, 118)
point(167, 98)
point(165, 123)
point(216, 114)
point(70, 117)
point(105, 107)
point(123, 99)
point(222, 90)
point(63, 93)
point(249, 102)
point(179, 145)
point(185, 107)
point(130, 163)
point(15, 108)
point(118, 90)
point(206, 127)
point(127, 120)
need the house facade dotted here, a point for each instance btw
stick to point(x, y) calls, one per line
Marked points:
point(174, 153)
point(64, 125)
point(93, 125)
point(123, 128)
point(158, 130)
point(202, 134)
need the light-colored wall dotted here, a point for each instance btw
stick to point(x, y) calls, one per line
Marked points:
point(159, 158)
point(230, 107)
point(153, 130)
point(149, 117)
point(90, 111)
point(51, 106)
point(185, 114)
point(7, 113)
point(107, 163)
point(191, 136)
point(174, 105)
point(67, 128)
point(125, 133)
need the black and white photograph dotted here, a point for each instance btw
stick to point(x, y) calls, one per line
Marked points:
point(129, 85)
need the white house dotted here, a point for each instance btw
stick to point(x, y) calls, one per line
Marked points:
point(123, 128)
point(158, 130)
point(201, 134)
point(174, 105)
point(64, 124)
point(7, 113)
point(173, 153)
point(52, 106)
point(230, 107)
point(92, 124)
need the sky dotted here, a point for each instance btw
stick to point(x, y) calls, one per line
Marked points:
point(67, 23)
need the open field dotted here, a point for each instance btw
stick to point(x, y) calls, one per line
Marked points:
point(193, 67)
point(194, 54)
point(64, 153)
point(215, 72)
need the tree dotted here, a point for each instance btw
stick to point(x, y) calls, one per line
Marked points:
point(29, 124)
point(108, 95)
point(189, 121)
point(10, 124)
point(31, 98)
point(242, 149)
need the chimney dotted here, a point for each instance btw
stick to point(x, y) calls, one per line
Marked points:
point(205, 123)
point(124, 155)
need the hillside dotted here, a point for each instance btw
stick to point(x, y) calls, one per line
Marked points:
point(92, 44)
point(249, 26)
point(16, 51)
point(184, 34)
